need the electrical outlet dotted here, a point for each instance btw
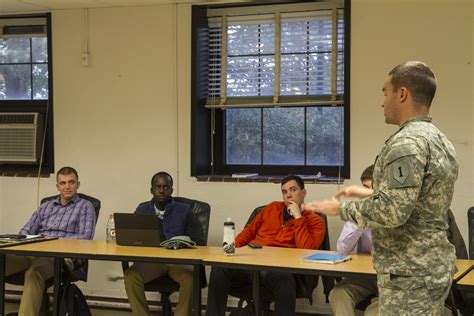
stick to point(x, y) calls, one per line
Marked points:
point(85, 59)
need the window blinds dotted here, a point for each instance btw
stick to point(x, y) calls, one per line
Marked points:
point(282, 56)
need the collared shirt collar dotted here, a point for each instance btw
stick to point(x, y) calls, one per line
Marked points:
point(168, 206)
point(419, 118)
point(74, 199)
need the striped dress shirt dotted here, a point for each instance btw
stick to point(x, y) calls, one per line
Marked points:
point(75, 220)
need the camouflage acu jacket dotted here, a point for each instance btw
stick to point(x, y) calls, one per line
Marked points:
point(413, 183)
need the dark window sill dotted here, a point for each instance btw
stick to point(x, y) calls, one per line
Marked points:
point(23, 175)
point(265, 179)
point(22, 172)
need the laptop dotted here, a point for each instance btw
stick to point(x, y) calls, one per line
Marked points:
point(7, 240)
point(137, 230)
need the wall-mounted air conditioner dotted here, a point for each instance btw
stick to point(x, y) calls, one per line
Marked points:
point(21, 136)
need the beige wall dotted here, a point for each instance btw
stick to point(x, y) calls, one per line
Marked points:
point(127, 114)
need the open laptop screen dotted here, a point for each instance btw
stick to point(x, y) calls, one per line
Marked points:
point(137, 230)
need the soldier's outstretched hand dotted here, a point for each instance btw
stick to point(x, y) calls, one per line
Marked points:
point(354, 191)
point(326, 207)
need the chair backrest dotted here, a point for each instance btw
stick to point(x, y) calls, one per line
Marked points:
point(470, 218)
point(254, 214)
point(325, 245)
point(202, 210)
point(455, 237)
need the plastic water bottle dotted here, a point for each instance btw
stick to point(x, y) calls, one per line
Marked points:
point(229, 237)
point(110, 232)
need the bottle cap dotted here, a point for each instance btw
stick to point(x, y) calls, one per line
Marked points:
point(229, 219)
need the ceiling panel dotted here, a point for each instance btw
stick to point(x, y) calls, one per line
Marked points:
point(66, 4)
point(12, 6)
point(25, 6)
point(135, 2)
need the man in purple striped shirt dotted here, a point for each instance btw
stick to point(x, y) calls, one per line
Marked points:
point(67, 216)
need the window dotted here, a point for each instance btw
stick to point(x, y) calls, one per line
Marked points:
point(26, 88)
point(276, 94)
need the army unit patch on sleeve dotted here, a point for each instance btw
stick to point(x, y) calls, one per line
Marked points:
point(401, 173)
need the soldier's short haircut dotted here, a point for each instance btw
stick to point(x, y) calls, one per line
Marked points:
point(367, 173)
point(162, 174)
point(66, 171)
point(290, 177)
point(418, 78)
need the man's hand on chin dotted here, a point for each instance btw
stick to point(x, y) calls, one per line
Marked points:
point(294, 209)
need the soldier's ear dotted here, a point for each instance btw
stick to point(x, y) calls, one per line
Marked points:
point(403, 94)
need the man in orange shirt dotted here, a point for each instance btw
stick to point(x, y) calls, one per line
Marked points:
point(279, 224)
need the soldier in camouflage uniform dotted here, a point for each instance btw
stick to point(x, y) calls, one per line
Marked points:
point(413, 186)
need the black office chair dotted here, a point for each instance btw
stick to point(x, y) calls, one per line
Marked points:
point(305, 283)
point(166, 285)
point(457, 299)
point(78, 273)
point(468, 297)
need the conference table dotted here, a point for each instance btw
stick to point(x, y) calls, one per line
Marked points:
point(464, 266)
point(287, 260)
point(246, 258)
point(267, 258)
point(466, 282)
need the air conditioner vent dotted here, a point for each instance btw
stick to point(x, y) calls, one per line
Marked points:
point(20, 137)
point(20, 118)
